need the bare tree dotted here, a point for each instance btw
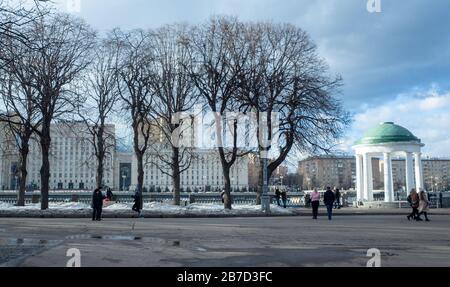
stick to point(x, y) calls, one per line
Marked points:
point(136, 96)
point(21, 114)
point(14, 15)
point(63, 51)
point(215, 72)
point(102, 94)
point(175, 97)
point(283, 75)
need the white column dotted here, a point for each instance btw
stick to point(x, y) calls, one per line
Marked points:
point(388, 183)
point(359, 178)
point(419, 171)
point(368, 178)
point(409, 172)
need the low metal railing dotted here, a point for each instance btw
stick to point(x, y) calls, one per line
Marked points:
point(437, 200)
point(293, 200)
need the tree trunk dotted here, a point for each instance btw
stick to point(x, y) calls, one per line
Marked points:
point(260, 182)
point(23, 173)
point(176, 176)
point(227, 197)
point(100, 157)
point(45, 168)
point(140, 181)
point(99, 172)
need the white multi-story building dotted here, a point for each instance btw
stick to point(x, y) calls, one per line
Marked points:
point(73, 165)
point(72, 160)
point(204, 172)
point(9, 159)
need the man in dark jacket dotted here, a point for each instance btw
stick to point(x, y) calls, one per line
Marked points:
point(329, 199)
point(284, 198)
point(137, 202)
point(278, 196)
point(97, 204)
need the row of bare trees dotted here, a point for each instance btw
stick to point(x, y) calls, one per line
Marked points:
point(152, 78)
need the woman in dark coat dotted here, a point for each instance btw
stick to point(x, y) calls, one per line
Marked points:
point(328, 199)
point(97, 204)
point(414, 201)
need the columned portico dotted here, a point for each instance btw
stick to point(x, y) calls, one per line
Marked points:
point(386, 141)
point(409, 172)
point(388, 182)
point(368, 177)
point(419, 171)
point(359, 176)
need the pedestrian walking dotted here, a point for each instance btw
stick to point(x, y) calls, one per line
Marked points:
point(278, 196)
point(328, 199)
point(284, 198)
point(307, 200)
point(222, 195)
point(315, 202)
point(109, 194)
point(337, 195)
point(424, 205)
point(413, 200)
point(97, 204)
point(137, 202)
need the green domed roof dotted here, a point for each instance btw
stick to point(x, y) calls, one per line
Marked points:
point(387, 133)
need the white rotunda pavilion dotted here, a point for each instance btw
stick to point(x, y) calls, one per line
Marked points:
point(387, 140)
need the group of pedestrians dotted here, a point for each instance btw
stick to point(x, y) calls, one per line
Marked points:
point(419, 204)
point(331, 199)
point(281, 197)
point(98, 200)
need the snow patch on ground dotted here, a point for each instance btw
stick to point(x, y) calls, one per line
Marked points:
point(37, 206)
point(153, 207)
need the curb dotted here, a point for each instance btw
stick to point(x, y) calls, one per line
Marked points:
point(126, 214)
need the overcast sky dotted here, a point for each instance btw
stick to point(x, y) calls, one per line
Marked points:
point(395, 64)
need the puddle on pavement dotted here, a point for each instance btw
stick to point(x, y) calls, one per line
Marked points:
point(27, 242)
point(105, 237)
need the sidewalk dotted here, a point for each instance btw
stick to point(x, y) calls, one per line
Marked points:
point(370, 211)
point(199, 211)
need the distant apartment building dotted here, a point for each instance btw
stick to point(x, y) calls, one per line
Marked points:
point(202, 168)
point(436, 173)
point(72, 160)
point(9, 158)
point(73, 164)
point(331, 170)
point(203, 173)
point(253, 171)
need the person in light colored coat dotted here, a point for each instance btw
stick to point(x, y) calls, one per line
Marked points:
point(424, 205)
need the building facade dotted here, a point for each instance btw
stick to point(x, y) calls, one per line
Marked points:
point(332, 170)
point(436, 173)
point(73, 165)
point(204, 172)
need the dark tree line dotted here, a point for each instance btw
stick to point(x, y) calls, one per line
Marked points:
point(55, 67)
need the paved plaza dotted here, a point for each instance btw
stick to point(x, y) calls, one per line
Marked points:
point(226, 242)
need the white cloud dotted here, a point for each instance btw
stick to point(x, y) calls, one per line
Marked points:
point(425, 114)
